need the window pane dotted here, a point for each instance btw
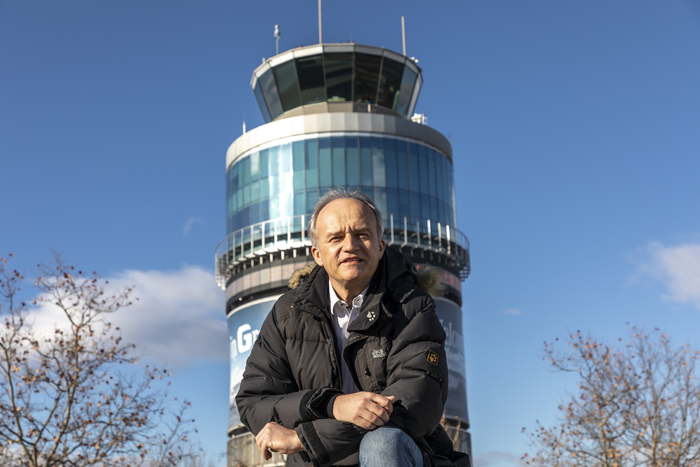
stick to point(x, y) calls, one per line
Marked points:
point(440, 161)
point(408, 81)
point(261, 102)
point(298, 165)
point(245, 169)
point(424, 184)
point(264, 164)
point(311, 163)
point(246, 195)
point(379, 199)
point(414, 168)
point(365, 162)
point(352, 162)
point(311, 197)
point(366, 77)
point(286, 77)
point(403, 164)
point(265, 188)
point(285, 159)
point(311, 82)
point(255, 166)
point(405, 203)
point(378, 162)
point(269, 90)
point(274, 185)
point(264, 210)
point(324, 162)
point(426, 212)
point(299, 203)
point(392, 200)
point(338, 161)
point(255, 191)
point(392, 180)
point(390, 83)
point(339, 76)
point(274, 160)
point(432, 180)
point(286, 204)
point(254, 213)
point(245, 217)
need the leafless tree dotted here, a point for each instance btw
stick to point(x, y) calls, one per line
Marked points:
point(76, 396)
point(638, 403)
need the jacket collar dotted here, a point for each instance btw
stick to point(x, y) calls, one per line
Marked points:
point(395, 276)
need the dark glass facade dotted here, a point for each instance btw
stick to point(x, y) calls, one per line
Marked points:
point(403, 177)
point(336, 77)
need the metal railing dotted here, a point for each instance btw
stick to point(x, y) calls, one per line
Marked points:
point(287, 233)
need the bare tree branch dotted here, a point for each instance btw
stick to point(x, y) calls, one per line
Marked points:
point(637, 404)
point(77, 397)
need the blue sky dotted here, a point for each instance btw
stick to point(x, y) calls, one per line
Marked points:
point(576, 134)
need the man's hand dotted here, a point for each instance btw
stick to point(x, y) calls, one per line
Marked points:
point(365, 409)
point(276, 438)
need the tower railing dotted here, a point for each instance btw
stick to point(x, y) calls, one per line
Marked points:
point(289, 233)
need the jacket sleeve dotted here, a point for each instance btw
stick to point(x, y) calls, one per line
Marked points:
point(327, 441)
point(268, 391)
point(417, 371)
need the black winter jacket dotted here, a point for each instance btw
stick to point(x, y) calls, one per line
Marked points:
point(395, 348)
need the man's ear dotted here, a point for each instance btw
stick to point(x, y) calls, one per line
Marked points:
point(317, 255)
point(382, 247)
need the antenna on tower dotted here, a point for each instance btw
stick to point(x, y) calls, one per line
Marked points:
point(320, 24)
point(403, 34)
point(277, 38)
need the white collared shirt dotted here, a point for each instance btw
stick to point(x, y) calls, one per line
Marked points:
point(343, 314)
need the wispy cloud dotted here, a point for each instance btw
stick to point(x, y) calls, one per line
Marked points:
point(512, 311)
point(678, 268)
point(178, 320)
point(498, 459)
point(190, 223)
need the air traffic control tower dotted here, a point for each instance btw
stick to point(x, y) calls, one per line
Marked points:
point(337, 115)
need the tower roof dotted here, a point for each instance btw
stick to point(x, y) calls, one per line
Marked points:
point(351, 77)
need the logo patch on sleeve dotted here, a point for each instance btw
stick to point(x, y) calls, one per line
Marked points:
point(433, 357)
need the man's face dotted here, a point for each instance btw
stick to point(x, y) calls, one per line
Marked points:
point(348, 246)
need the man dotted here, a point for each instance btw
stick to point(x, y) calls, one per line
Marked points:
point(350, 367)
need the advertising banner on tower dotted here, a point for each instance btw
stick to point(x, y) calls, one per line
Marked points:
point(243, 328)
point(451, 319)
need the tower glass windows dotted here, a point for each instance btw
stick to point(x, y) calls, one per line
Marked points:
point(405, 178)
point(367, 76)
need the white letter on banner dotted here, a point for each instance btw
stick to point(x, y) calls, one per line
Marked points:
point(245, 341)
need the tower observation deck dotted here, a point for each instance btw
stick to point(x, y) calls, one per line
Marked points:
point(337, 115)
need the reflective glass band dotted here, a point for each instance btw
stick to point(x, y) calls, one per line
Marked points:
point(402, 176)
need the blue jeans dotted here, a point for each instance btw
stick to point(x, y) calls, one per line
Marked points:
point(389, 447)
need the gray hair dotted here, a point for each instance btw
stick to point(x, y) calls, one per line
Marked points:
point(342, 193)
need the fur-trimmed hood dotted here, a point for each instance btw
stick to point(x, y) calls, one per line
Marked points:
point(427, 277)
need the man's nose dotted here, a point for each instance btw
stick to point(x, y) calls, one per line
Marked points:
point(349, 243)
